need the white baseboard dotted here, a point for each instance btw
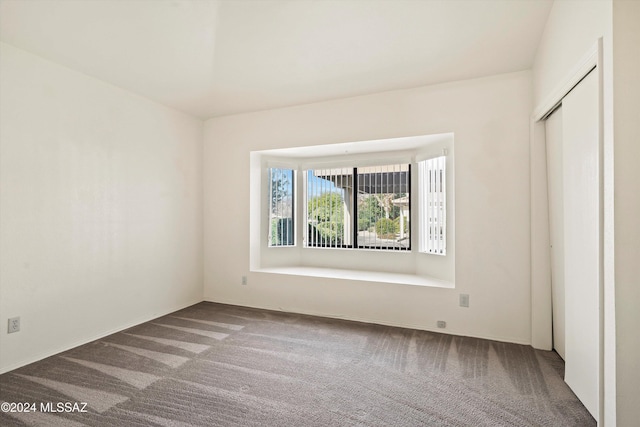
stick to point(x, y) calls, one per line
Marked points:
point(383, 322)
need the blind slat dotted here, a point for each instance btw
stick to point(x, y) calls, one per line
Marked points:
point(432, 205)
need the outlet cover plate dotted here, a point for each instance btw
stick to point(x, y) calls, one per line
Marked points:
point(464, 300)
point(14, 325)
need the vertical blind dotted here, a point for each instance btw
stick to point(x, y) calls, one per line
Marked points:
point(365, 207)
point(328, 207)
point(384, 206)
point(281, 227)
point(433, 205)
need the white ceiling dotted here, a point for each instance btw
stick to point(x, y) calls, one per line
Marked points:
point(216, 57)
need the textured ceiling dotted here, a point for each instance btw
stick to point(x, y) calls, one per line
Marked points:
point(211, 58)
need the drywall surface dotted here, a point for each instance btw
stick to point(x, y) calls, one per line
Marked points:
point(570, 37)
point(101, 220)
point(572, 29)
point(626, 110)
point(490, 121)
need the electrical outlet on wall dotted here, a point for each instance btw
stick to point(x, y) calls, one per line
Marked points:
point(14, 325)
point(464, 300)
point(441, 324)
point(244, 280)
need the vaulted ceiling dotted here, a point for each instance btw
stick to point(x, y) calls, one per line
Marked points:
point(216, 57)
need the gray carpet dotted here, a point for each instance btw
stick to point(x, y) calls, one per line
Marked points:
point(220, 365)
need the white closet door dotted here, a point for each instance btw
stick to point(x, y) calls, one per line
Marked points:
point(553, 136)
point(581, 193)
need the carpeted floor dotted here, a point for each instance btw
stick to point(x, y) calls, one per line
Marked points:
point(220, 365)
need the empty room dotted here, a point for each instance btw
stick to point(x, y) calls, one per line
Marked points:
point(319, 213)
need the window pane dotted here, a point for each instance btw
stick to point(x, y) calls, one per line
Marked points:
point(329, 195)
point(433, 205)
point(281, 207)
point(384, 207)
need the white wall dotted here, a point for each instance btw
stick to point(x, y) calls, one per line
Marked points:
point(626, 110)
point(572, 29)
point(490, 121)
point(571, 33)
point(101, 220)
point(570, 37)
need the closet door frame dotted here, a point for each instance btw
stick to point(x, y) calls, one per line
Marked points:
point(541, 305)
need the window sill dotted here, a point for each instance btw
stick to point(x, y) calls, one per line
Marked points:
point(365, 276)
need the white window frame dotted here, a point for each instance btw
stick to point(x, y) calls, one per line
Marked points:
point(298, 258)
point(347, 178)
